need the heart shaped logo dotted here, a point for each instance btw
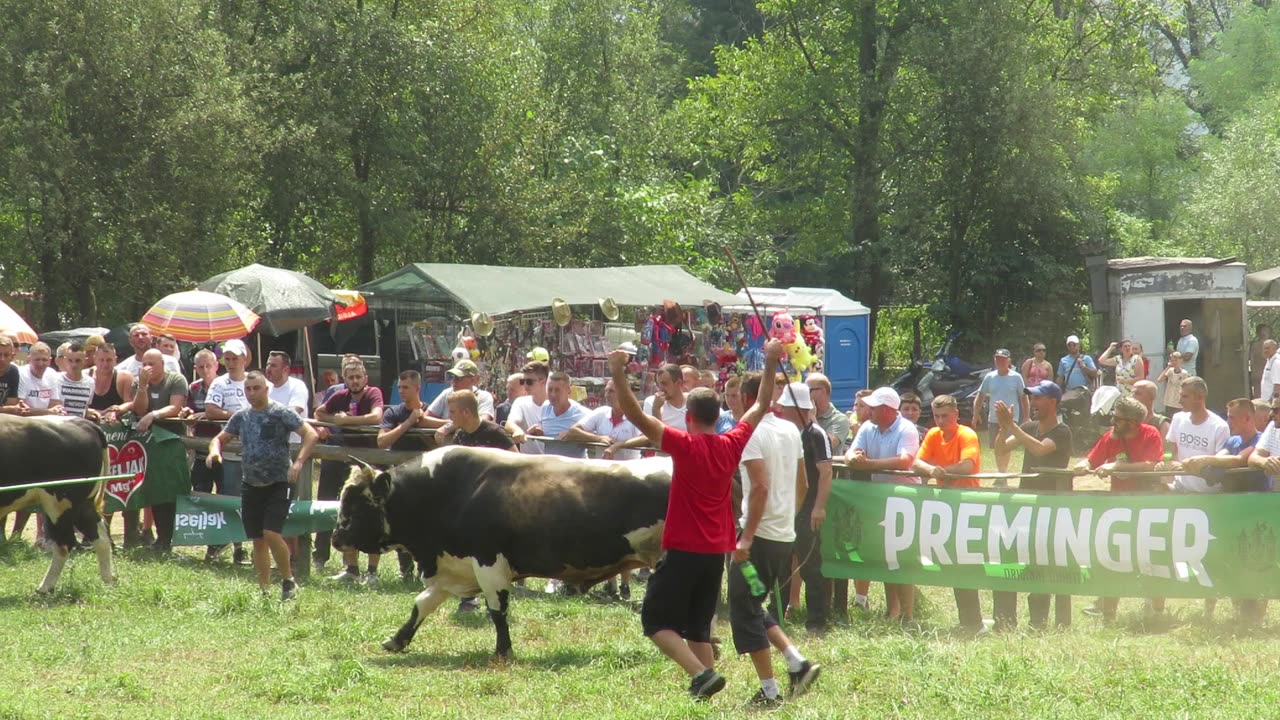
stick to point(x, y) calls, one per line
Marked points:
point(129, 459)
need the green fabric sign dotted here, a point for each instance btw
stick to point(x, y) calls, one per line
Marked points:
point(215, 519)
point(156, 459)
point(1188, 546)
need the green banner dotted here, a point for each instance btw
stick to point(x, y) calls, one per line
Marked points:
point(1119, 545)
point(156, 459)
point(215, 519)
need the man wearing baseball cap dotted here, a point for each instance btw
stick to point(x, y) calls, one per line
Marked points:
point(1046, 444)
point(1075, 369)
point(796, 405)
point(887, 441)
point(1000, 385)
point(464, 375)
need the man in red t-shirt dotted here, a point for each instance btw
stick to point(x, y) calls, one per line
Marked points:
point(680, 600)
point(1142, 448)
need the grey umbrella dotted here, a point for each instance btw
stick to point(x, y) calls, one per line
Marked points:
point(284, 299)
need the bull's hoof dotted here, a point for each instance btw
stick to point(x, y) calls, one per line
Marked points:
point(393, 644)
point(42, 590)
point(501, 659)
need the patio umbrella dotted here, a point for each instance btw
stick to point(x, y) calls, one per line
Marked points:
point(284, 299)
point(198, 316)
point(12, 323)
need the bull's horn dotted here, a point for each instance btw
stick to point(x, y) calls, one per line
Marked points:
point(361, 463)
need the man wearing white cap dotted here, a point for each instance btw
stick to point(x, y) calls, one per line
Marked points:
point(796, 405)
point(772, 472)
point(226, 397)
point(1075, 369)
point(887, 442)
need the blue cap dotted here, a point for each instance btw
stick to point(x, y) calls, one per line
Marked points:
point(1048, 388)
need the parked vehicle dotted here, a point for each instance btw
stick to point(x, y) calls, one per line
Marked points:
point(944, 374)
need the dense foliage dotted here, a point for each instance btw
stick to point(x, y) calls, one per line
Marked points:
point(962, 156)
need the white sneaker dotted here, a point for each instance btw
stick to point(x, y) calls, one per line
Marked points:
point(346, 577)
point(371, 579)
point(862, 604)
point(553, 587)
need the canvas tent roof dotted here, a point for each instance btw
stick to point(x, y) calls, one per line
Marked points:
point(1264, 283)
point(497, 290)
point(821, 301)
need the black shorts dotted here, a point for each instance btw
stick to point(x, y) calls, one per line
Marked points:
point(682, 594)
point(264, 508)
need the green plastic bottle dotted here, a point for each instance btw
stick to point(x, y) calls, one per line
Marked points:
point(752, 576)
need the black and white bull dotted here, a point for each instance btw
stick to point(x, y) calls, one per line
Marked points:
point(477, 519)
point(57, 448)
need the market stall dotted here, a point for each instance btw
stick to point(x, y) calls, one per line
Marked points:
point(501, 316)
point(833, 327)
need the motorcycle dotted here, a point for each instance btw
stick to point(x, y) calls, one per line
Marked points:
point(945, 374)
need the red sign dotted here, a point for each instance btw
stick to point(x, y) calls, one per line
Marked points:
point(131, 459)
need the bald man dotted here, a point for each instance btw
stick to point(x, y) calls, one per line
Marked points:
point(1144, 391)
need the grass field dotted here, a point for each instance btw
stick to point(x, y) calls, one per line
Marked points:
point(190, 640)
point(186, 639)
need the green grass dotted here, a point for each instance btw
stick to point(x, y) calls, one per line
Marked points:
point(190, 640)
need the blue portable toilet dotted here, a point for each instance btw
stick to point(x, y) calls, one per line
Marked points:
point(845, 327)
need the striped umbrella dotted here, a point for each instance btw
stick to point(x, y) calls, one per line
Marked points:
point(199, 316)
point(12, 323)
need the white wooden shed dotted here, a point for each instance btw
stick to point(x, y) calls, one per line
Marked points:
point(1143, 299)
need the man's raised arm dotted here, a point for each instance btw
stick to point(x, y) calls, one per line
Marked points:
point(651, 426)
point(764, 398)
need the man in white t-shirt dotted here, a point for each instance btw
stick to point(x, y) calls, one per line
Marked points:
point(606, 424)
point(1195, 431)
point(75, 389)
point(285, 389)
point(671, 409)
point(669, 405)
point(1189, 347)
point(772, 471)
point(526, 411)
point(226, 397)
point(38, 383)
point(141, 341)
point(1266, 454)
point(1270, 372)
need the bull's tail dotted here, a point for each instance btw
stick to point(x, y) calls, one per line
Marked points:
point(100, 488)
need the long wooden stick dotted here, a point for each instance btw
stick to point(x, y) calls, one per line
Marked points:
point(56, 483)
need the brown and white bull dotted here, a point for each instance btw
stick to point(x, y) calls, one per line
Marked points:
point(46, 448)
point(477, 519)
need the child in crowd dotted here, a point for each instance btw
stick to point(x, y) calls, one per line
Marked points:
point(1172, 377)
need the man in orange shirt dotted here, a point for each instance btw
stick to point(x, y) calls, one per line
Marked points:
point(949, 452)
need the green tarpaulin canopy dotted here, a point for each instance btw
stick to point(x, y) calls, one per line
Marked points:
point(497, 290)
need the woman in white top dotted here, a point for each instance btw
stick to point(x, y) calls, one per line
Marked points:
point(1129, 366)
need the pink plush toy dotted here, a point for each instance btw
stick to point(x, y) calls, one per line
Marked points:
point(783, 327)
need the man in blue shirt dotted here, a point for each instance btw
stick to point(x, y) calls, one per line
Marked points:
point(1006, 386)
point(1075, 369)
point(887, 441)
point(558, 415)
point(1189, 346)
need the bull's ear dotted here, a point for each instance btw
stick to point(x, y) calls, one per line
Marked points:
point(381, 486)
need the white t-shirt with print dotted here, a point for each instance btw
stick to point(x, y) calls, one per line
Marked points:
point(229, 395)
point(1191, 440)
point(37, 392)
point(777, 443)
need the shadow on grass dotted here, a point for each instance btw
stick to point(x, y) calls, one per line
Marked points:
point(474, 659)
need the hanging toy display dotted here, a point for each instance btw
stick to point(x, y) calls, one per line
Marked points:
point(799, 357)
